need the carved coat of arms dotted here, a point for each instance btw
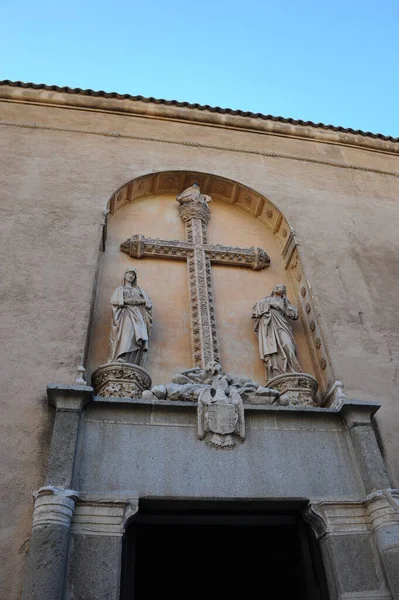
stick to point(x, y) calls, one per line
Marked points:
point(220, 414)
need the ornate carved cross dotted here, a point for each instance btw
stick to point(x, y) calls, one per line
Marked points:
point(195, 214)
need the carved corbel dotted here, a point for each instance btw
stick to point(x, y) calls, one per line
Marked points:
point(315, 515)
point(131, 510)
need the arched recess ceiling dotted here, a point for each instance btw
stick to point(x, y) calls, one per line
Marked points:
point(247, 199)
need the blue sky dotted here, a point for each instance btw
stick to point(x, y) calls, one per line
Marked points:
point(333, 62)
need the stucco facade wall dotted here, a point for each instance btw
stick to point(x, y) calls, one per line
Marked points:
point(54, 186)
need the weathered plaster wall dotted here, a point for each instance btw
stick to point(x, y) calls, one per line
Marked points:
point(54, 185)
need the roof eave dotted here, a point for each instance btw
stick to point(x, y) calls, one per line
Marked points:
point(195, 113)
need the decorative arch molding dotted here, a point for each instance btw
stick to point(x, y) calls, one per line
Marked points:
point(262, 209)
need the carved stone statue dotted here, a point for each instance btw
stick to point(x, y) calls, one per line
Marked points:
point(221, 414)
point(277, 346)
point(123, 376)
point(197, 375)
point(193, 194)
point(277, 349)
point(131, 321)
point(187, 386)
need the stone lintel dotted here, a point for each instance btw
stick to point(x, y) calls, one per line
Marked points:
point(70, 398)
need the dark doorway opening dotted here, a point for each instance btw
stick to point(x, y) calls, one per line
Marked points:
point(228, 552)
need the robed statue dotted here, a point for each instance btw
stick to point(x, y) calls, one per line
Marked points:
point(277, 346)
point(131, 321)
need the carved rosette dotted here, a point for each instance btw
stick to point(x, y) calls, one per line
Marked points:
point(120, 380)
point(299, 389)
point(195, 210)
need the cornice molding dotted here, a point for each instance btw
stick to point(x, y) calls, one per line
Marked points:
point(193, 113)
point(196, 144)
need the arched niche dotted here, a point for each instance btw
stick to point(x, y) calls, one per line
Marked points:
point(240, 216)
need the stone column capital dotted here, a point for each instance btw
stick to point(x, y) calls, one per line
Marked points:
point(383, 510)
point(337, 518)
point(54, 506)
point(383, 507)
point(69, 398)
point(103, 516)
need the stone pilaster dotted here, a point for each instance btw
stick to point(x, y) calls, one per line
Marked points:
point(96, 547)
point(55, 503)
point(350, 557)
point(69, 402)
point(357, 416)
point(52, 516)
point(383, 510)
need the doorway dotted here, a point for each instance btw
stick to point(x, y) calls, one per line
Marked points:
point(196, 550)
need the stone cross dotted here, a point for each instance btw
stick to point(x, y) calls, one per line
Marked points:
point(195, 214)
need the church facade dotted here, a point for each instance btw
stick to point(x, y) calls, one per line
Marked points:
point(200, 351)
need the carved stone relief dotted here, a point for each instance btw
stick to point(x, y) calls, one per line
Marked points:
point(194, 212)
point(220, 414)
point(187, 385)
point(260, 208)
point(289, 385)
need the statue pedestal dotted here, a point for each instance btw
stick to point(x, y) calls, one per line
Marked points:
point(297, 389)
point(120, 380)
